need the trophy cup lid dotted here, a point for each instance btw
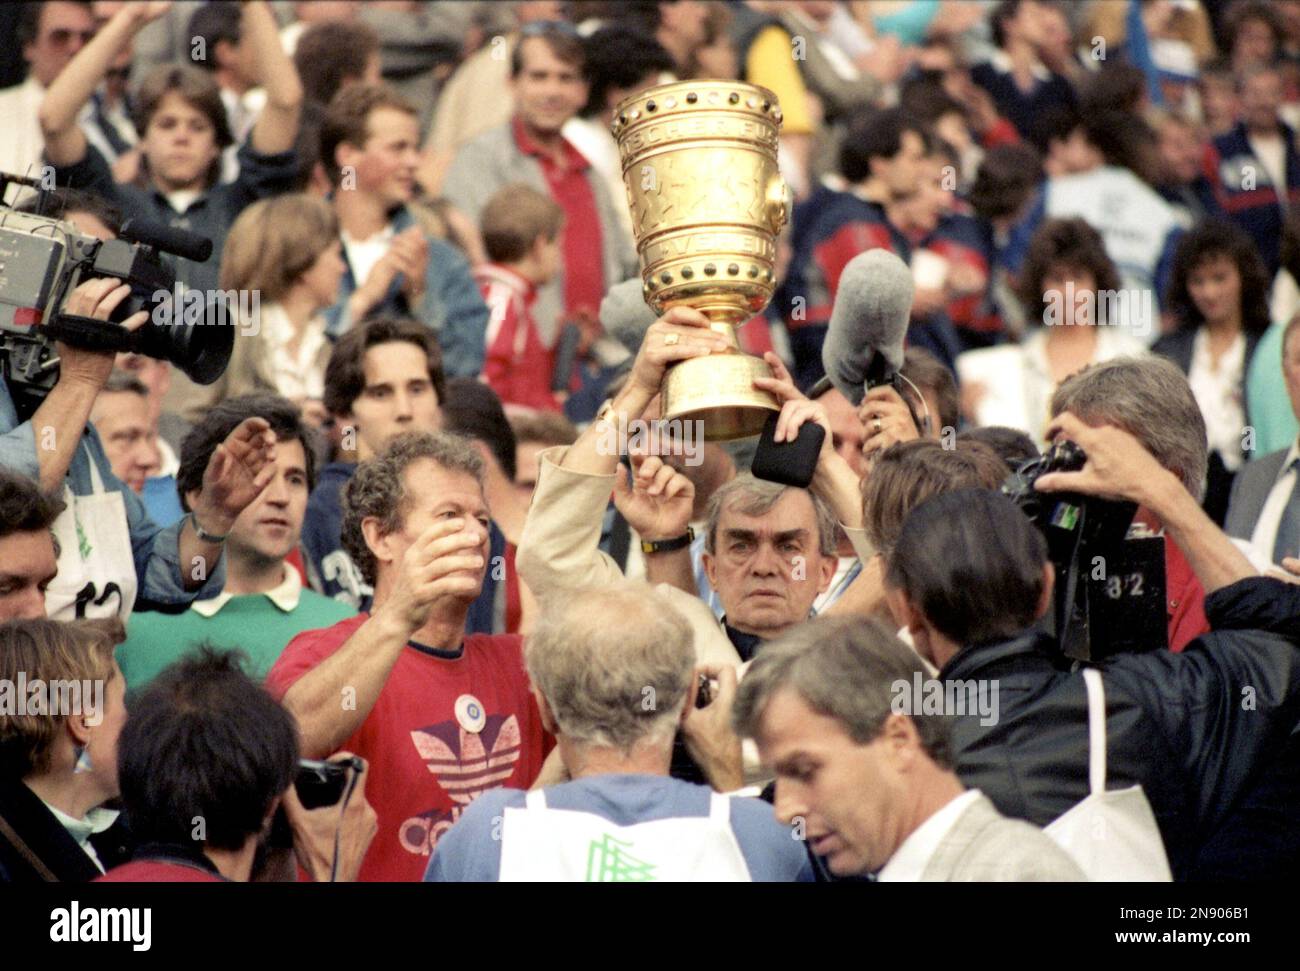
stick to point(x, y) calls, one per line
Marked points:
point(687, 97)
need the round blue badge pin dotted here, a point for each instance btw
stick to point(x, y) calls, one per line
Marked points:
point(470, 714)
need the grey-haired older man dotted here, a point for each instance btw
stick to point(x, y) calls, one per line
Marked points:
point(874, 787)
point(613, 672)
point(770, 549)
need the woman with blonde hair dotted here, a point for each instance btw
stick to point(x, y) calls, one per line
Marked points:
point(58, 750)
point(284, 257)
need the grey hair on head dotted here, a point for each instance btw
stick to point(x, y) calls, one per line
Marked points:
point(1149, 398)
point(751, 496)
point(614, 664)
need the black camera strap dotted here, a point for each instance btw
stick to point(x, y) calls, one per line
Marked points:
point(89, 334)
point(353, 776)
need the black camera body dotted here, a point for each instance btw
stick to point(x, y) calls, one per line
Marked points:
point(42, 260)
point(1110, 581)
point(319, 783)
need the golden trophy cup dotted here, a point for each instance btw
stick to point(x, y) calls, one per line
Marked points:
point(707, 201)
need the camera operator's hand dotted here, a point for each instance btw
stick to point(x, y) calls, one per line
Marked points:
point(658, 501)
point(445, 563)
point(59, 423)
point(316, 832)
point(710, 739)
point(1118, 467)
point(96, 298)
point(238, 471)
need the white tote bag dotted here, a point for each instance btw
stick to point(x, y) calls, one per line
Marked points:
point(96, 575)
point(1112, 835)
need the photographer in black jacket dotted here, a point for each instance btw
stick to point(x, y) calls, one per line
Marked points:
point(970, 578)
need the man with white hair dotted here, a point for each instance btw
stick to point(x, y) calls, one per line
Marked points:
point(613, 672)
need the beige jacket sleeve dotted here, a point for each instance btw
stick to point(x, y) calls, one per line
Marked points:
point(861, 545)
point(559, 550)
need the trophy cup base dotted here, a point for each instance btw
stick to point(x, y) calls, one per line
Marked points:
point(719, 391)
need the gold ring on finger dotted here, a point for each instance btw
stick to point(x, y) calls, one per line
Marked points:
point(877, 425)
point(671, 339)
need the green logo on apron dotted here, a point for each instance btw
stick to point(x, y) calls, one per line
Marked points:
point(608, 863)
point(83, 544)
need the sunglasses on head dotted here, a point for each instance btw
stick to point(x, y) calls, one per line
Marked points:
point(62, 36)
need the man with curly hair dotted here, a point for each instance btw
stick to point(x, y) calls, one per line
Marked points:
point(440, 716)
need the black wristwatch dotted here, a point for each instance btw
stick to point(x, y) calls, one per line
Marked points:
point(668, 545)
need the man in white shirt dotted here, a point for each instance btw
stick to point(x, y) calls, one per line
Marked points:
point(1265, 505)
point(866, 775)
point(370, 150)
point(51, 34)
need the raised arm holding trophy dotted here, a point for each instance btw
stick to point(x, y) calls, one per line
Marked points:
point(707, 200)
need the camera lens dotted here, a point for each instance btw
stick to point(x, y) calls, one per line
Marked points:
point(199, 344)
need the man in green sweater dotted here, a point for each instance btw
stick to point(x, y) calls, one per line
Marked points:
point(264, 603)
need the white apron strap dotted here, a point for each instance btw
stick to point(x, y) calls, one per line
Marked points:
point(1096, 730)
point(535, 799)
point(96, 480)
point(720, 809)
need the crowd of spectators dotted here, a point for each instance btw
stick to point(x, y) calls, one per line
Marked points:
point(393, 535)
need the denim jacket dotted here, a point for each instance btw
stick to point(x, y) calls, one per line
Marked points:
point(156, 549)
point(452, 305)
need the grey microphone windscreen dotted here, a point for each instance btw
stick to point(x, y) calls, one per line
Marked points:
point(625, 315)
point(869, 319)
